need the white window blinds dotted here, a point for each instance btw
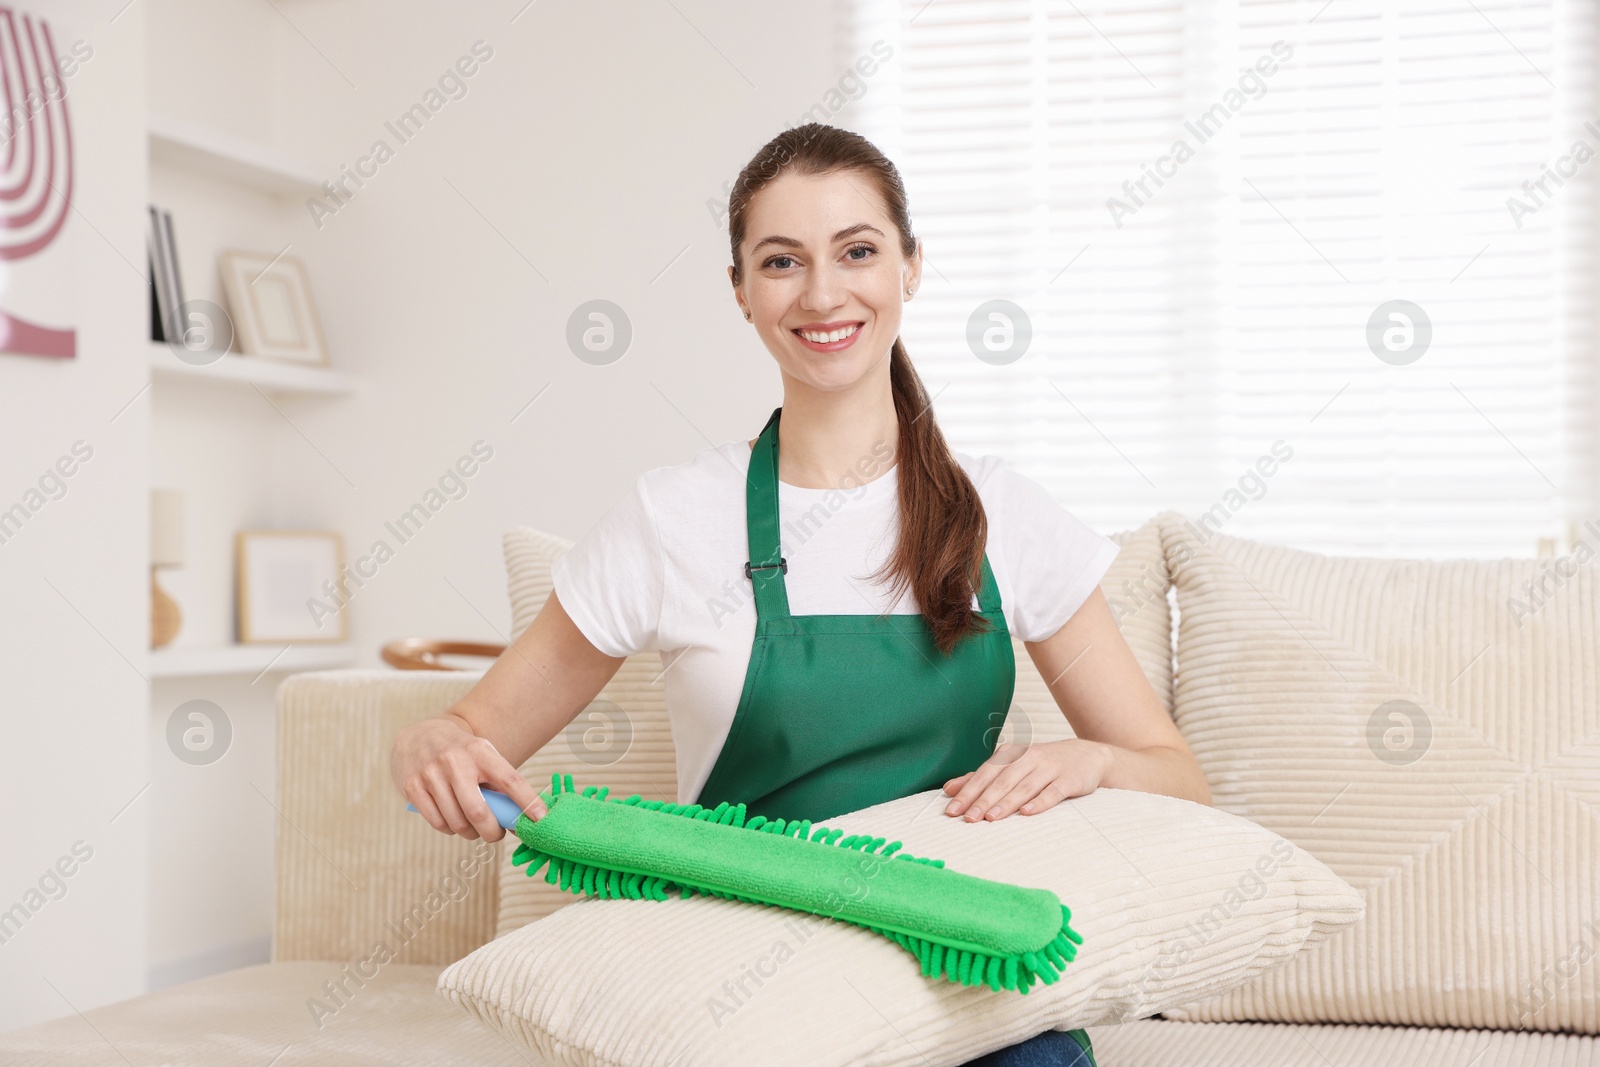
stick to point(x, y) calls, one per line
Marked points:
point(1206, 213)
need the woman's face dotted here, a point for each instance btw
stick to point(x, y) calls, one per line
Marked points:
point(821, 259)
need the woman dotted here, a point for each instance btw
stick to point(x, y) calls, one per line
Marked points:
point(794, 687)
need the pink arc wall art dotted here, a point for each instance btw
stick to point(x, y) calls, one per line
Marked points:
point(36, 263)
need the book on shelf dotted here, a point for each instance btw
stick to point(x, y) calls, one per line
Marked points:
point(178, 316)
point(166, 282)
point(157, 330)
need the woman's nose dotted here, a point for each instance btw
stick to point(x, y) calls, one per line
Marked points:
point(821, 291)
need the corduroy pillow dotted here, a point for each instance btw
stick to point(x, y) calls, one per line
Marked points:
point(1431, 732)
point(625, 735)
point(1174, 901)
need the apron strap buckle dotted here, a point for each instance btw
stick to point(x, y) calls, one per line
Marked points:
point(782, 565)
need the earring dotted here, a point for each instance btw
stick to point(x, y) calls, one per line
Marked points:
point(747, 316)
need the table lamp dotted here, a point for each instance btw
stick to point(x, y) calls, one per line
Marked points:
point(166, 550)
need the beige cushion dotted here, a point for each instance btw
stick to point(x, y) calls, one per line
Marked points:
point(528, 554)
point(1174, 901)
point(624, 736)
point(1468, 814)
point(1154, 1043)
point(1136, 589)
point(260, 1015)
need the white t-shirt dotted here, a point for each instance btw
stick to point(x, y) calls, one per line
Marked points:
point(664, 569)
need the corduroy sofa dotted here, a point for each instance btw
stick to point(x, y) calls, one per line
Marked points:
point(1431, 731)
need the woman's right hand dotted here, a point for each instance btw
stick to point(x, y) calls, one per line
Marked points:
point(439, 764)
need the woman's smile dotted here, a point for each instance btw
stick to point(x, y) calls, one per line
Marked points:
point(828, 336)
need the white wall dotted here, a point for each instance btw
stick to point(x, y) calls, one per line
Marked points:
point(74, 581)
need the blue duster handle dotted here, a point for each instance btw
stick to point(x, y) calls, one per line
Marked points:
point(505, 809)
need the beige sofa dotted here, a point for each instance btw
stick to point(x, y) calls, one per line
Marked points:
point(371, 903)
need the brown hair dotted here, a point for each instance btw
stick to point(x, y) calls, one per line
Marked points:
point(943, 528)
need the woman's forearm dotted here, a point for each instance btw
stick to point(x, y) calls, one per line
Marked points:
point(1158, 769)
point(517, 714)
point(543, 679)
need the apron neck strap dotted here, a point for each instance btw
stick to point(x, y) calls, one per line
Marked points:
point(766, 567)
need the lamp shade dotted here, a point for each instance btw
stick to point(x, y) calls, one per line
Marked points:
point(166, 528)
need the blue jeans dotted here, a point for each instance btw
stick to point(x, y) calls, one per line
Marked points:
point(1053, 1048)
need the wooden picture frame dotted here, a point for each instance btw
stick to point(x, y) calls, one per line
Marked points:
point(278, 575)
point(273, 313)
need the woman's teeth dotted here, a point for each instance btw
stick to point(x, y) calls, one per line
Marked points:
point(828, 338)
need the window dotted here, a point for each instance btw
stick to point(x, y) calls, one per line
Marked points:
point(1321, 271)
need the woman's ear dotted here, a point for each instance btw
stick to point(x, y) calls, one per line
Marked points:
point(914, 273)
point(736, 296)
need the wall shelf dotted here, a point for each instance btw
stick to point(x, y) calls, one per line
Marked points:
point(233, 456)
point(247, 659)
point(271, 375)
point(178, 142)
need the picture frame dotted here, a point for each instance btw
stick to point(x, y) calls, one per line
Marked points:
point(281, 578)
point(274, 316)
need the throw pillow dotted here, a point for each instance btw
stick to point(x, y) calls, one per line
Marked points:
point(1174, 901)
point(1431, 731)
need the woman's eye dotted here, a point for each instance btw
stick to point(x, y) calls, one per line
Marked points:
point(781, 262)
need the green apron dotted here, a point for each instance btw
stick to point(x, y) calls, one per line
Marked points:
point(841, 712)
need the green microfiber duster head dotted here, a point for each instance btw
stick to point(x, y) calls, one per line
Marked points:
point(967, 929)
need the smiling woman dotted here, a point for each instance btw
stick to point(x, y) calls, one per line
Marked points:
point(871, 659)
point(816, 271)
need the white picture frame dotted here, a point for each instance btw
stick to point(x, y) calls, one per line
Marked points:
point(283, 586)
point(269, 298)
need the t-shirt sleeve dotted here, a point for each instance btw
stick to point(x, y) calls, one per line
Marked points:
point(1055, 559)
point(611, 580)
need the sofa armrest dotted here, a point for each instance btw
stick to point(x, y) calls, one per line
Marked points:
point(357, 876)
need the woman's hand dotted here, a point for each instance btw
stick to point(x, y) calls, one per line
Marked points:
point(438, 763)
point(1028, 778)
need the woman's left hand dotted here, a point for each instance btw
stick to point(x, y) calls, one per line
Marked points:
point(1028, 778)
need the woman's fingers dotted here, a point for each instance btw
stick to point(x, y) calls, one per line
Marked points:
point(464, 776)
point(420, 799)
point(513, 785)
point(994, 778)
point(502, 777)
point(970, 788)
point(954, 785)
point(1051, 795)
point(440, 766)
point(444, 795)
point(1030, 790)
